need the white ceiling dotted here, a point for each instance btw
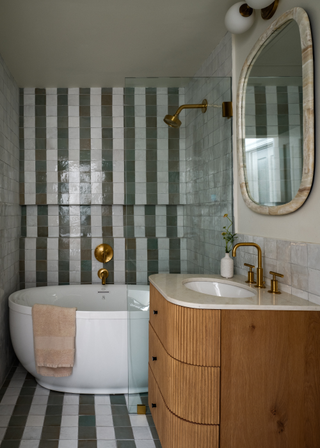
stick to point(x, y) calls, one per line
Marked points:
point(97, 43)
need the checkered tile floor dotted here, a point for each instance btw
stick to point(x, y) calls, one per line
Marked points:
point(34, 417)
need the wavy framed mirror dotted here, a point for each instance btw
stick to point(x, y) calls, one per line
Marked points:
point(275, 117)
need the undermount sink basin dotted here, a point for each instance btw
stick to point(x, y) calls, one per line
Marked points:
point(219, 289)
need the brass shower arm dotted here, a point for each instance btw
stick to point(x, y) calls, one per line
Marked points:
point(174, 122)
point(203, 106)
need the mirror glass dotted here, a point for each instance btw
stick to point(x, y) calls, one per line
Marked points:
point(273, 145)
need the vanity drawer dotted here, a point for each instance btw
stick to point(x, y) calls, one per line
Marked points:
point(188, 334)
point(190, 392)
point(175, 432)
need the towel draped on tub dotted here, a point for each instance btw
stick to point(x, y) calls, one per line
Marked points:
point(54, 330)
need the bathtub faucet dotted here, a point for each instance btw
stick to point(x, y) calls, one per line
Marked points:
point(103, 274)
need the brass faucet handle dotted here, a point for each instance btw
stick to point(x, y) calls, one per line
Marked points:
point(251, 266)
point(275, 274)
point(250, 273)
point(274, 283)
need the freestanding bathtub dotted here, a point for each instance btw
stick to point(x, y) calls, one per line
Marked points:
point(111, 352)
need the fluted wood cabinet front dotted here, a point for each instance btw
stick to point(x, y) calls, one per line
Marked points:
point(188, 334)
point(191, 392)
point(184, 373)
point(175, 432)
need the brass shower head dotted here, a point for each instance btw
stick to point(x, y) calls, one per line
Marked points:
point(173, 120)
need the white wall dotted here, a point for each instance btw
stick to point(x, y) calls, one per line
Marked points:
point(302, 225)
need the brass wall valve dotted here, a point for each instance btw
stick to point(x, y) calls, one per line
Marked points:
point(274, 283)
point(250, 273)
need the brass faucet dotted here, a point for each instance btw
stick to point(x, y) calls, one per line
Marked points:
point(260, 282)
point(103, 274)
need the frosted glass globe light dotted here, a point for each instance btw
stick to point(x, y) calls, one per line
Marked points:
point(258, 4)
point(235, 22)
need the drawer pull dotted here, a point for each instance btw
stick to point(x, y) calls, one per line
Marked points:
point(153, 405)
point(154, 358)
point(155, 312)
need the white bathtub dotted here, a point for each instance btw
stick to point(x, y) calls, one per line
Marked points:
point(111, 336)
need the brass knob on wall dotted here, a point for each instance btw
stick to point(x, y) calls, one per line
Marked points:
point(103, 253)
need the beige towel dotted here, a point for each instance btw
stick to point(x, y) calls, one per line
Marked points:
point(54, 330)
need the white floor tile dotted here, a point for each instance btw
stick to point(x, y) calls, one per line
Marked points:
point(4, 420)
point(70, 420)
point(29, 443)
point(105, 433)
point(2, 433)
point(41, 391)
point(106, 444)
point(71, 399)
point(104, 420)
point(32, 433)
point(68, 433)
point(141, 433)
point(16, 383)
point(145, 444)
point(6, 409)
point(37, 409)
point(102, 399)
point(138, 420)
point(9, 399)
point(67, 444)
point(35, 420)
point(70, 409)
point(102, 409)
point(14, 391)
point(40, 399)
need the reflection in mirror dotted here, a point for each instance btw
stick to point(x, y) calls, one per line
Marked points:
point(274, 120)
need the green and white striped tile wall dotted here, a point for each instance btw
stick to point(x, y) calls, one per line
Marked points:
point(99, 146)
point(99, 165)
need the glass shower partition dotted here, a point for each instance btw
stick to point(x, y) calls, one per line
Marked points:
point(178, 185)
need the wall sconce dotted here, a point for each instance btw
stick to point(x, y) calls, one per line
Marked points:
point(240, 16)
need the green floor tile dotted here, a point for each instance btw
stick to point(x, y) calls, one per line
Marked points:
point(119, 410)
point(87, 420)
point(87, 444)
point(126, 444)
point(18, 420)
point(123, 433)
point(50, 433)
point(87, 432)
point(117, 399)
point(121, 420)
point(52, 420)
point(86, 409)
point(14, 433)
point(48, 444)
point(86, 399)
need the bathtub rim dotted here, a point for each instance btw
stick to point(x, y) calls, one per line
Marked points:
point(124, 314)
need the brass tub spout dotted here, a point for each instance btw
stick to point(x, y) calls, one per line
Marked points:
point(103, 274)
point(260, 282)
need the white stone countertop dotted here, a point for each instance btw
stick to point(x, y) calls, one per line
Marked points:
point(172, 287)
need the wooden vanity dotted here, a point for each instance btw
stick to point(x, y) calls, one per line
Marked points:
point(232, 378)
